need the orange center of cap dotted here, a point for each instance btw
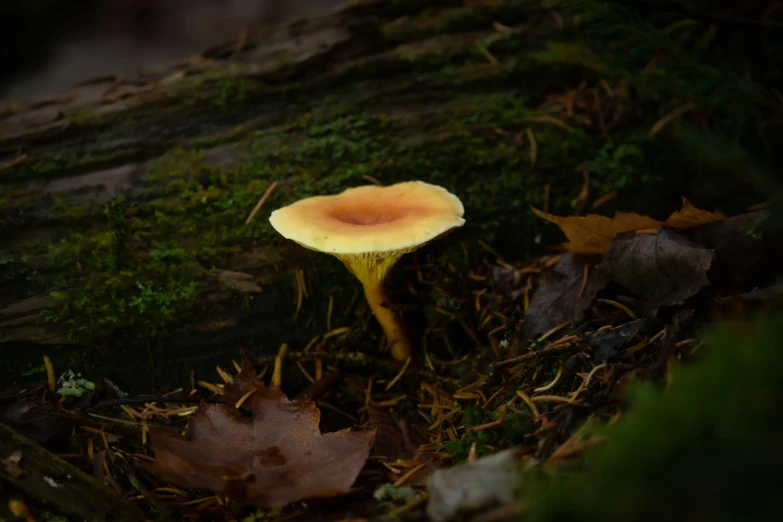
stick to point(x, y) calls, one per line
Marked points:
point(367, 216)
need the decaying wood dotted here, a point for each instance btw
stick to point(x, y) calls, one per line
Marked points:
point(29, 469)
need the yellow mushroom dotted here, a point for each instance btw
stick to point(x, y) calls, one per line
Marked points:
point(369, 228)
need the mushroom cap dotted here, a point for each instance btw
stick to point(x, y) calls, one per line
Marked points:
point(371, 221)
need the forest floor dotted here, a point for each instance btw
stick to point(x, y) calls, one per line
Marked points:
point(174, 359)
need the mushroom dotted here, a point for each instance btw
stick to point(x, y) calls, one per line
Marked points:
point(369, 228)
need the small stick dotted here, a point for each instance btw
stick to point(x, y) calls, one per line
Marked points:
point(554, 330)
point(472, 456)
point(551, 398)
point(492, 398)
point(211, 387)
point(492, 424)
point(530, 404)
point(277, 373)
point(618, 305)
point(245, 397)
point(400, 481)
point(322, 404)
point(49, 372)
point(491, 250)
point(399, 375)
point(372, 180)
point(584, 280)
point(304, 372)
point(409, 506)
point(224, 375)
point(551, 384)
point(533, 147)
point(605, 199)
point(299, 276)
point(531, 355)
point(261, 201)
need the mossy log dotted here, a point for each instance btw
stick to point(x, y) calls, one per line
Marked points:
point(124, 248)
point(30, 470)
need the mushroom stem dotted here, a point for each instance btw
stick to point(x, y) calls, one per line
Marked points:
point(390, 320)
point(372, 272)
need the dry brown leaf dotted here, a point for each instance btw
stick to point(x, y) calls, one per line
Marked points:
point(748, 250)
point(663, 269)
point(562, 297)
point(389, 441)
point(273, 457)
point(690, 216)
point(591, 234)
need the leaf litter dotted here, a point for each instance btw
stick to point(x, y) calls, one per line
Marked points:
point(560, 341)
point(543, 346)
point(593, 233)
point(662, 269)
point(563, 297)
point(270, 459)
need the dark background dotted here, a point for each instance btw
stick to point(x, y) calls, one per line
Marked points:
point(47, 46)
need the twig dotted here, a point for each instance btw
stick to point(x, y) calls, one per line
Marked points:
point(531, 355)
point(400, 481)
point(619, 306)
point(322, 404)
point(360, 359)
point(143, 400)
point(551, 384)
point(530, 404)
point(492, 424)
point(49, 372)
point(277, 373)
point(399, 375)
point(261, 201)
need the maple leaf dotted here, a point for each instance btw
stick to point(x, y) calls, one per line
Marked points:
point(592, 234)
point(270, 459)
point(690, 216)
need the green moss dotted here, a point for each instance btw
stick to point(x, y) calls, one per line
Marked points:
point(110, 302)
point(232, 92)
point(510, 432)
point(119, 286)
point(119, 231)
point(706, 449)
